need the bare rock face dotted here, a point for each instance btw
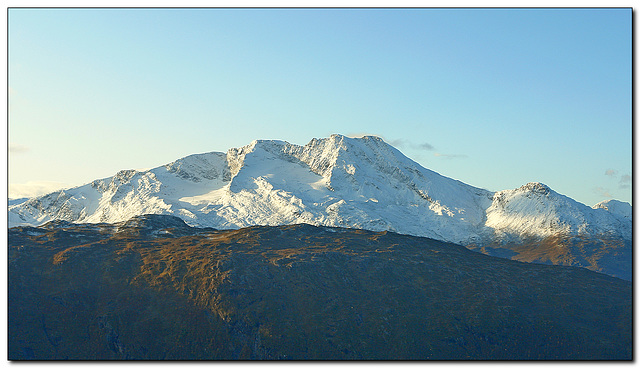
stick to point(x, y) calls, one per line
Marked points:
point(154, 288)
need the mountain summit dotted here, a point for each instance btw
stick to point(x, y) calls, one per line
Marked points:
point(337, 181)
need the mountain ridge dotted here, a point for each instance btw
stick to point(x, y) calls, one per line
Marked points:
point(361, 183)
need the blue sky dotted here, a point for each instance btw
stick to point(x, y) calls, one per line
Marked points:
point(493, 97)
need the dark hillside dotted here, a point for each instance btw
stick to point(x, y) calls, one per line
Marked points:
point(155, 289)
point(611, 255)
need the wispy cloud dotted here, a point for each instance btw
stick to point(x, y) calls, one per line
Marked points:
point(611, 172)
point(449, 156)
point(397, 143)
point(625, 182)
point(426, 146)
point(17, 148)
point(604, 192)
point(34, 188)
point(403, 143)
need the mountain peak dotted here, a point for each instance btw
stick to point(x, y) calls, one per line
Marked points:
point(616, 207)
point(536, 187)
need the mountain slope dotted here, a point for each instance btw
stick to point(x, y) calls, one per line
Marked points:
point(154, 288)
point(337, 181)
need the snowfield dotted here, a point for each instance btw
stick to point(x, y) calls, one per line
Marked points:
point(337, 181)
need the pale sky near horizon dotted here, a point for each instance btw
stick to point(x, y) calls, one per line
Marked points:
point(495, 98)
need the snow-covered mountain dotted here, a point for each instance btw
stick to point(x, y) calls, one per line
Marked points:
point(336, 181)
point(536, 210)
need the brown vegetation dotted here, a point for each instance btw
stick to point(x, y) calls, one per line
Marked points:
point(299, 292)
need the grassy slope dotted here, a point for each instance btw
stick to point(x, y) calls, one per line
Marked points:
point(300, 292)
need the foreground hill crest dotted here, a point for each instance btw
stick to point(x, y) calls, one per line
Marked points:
point(154, 288)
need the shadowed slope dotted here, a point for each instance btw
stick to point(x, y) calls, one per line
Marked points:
point(296, 292)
